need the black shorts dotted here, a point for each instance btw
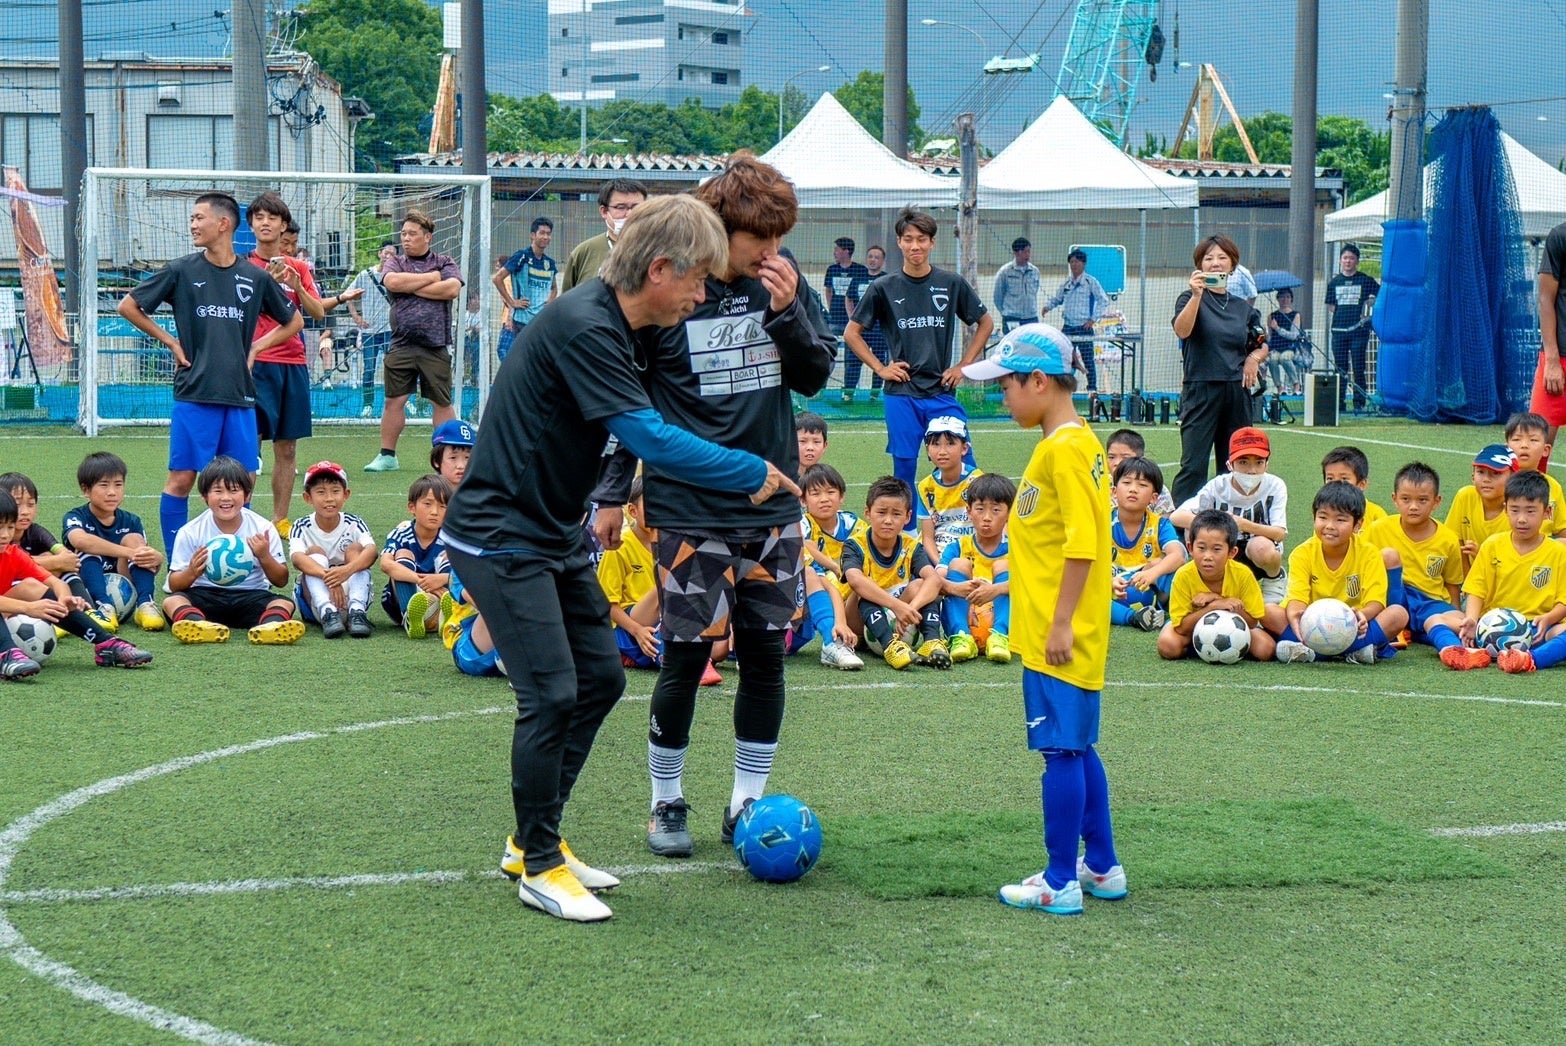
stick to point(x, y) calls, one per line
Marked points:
point(234, 607)
point(282, 400)
point(428, 370)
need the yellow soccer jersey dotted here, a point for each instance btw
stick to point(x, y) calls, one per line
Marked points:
point(967, 547)
point(1530, 584)
point(1238, 583)
point(891, 574)
point(1374, 513)
point(1429, 565)
point(830, 542)
point(1466, 518)
point(1556, 523)
point(945, 505)
point(1145, 547)
point(1361, 578)
point(1061, 513)
point(627, 573)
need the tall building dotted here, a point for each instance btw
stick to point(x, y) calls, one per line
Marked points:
point(648, 50)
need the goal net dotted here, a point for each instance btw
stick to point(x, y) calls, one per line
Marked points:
point(132, 222)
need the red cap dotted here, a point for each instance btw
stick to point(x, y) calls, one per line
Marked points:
point(1249, 441)
point(326, 470)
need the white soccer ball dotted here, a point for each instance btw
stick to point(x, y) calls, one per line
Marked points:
point(228, 560)
point(121, 593)
point(1221, 637)
point(1329, 627)
point(1501, 629)
point(36, 637)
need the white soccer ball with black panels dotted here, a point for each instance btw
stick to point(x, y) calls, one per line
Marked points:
point(229, 560)
point(121, 593)
point(36, 637)
point(1221, 637)
point(1501, 629)
point(1329, 627)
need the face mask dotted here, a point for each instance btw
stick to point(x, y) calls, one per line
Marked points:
point(1246, 483)
point(615, 225)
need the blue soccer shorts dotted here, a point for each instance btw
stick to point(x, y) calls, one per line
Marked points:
point(908, 416)
point(631, 653)
point(1421, 608)
point(1060, 716)
point(199, 432)
point(466, 656)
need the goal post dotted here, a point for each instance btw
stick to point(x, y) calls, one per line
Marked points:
point(134, 221)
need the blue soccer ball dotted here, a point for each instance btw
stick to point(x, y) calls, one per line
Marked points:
point(777, 839)
point(121, 593)
point(228, 560)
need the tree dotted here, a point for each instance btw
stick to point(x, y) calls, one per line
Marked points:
point(530, 124)
point(384, 51)
point(864, 98)
point(1344, 143)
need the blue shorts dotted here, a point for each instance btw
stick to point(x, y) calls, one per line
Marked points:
point(799, 633)
point(1421, 607)
point(1060, 717)
point(1141, 597)
point(282, 400)
point(199, 432)
point(908, 416)
point(631, 653)
point(467, 658)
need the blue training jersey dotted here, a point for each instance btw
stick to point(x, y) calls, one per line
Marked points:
point(124, 523)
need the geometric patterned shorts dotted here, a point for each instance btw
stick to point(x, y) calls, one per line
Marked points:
point(707, 584)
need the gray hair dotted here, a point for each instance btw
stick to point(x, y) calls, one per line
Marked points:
point(680, 228)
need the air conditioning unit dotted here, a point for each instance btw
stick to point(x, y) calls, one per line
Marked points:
point(168, 95)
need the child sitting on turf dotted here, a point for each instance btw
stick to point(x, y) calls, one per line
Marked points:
point(1213, 580)
point(201, 609)
point(1338, 563)
point(1259, 502)
point(1350, 465)
point(451, 445)
point(414, 560)
point(826, 527)
point(333, 552)
point(896, 589)
point(1124, 444)
point(1528, 438)
point(1523, 571)
point(35, 539)
point(109, 540)
point(629, 577)
point(810, 433)
point(976, 576)
point(942, 509)
point(1424, 562)
point(1478, 511)
point(26, 588)
point(1145, 549)
point(465, 634)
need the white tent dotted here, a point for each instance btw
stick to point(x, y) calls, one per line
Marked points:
point(834, 162)
point(1541, 199)
point(1063, 162)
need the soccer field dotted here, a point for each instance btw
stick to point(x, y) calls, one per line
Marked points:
point(300, 844)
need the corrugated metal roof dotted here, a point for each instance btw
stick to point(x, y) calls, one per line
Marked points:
point(643, 163)
point(1220, 169)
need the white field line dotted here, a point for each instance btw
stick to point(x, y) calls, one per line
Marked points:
point(1490, 830)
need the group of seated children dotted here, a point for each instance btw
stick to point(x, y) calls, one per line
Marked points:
point(1407, 577)
point(103, 566)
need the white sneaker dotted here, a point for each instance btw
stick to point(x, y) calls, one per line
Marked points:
point(1365, 655)
point(559, 893)
point(586, 874)
point(1291, 650)
point(1110, 886)
point(367, 412)
point(1149, 618)
point(837, 655)
point(1033, 892)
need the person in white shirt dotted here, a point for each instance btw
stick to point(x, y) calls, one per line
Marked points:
point(333, 551)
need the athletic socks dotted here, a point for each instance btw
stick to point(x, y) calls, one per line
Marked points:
point(1098, 837)
point(879, 623)
point(144, 581)
point(275, 614)
point(930, 627)
point(666, 766)
point(81, 626)
point(954, 609)
point(1442, 636)
point(1002, 605)
point(173, 513)
point(819, 606)
point(1373, 637)
point(1396, 594)
point(1120, 613)
point(752, 766)
point(189, 613)
point(1550, 653)
point(1076, 806)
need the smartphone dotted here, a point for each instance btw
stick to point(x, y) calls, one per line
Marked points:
point(1215, 279)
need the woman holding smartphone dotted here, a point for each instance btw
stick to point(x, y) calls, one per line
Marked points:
point(1222, 344)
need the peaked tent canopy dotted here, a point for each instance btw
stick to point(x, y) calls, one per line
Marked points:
point(1541, 200)
point(834, 162)
point(1063, 162)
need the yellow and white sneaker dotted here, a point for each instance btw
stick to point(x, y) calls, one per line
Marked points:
point(933, 654)
point(277, 633)
point(898, 654)
point(149, 618)
point(415, 618)
point(511, 867)
point(998, 649)
point(104, 617)
point(200, 631)
point(559, 893)
point(963, 648)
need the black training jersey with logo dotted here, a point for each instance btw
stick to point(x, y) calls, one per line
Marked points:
point(1348, 294)
point(215, 312)
point(918, 316)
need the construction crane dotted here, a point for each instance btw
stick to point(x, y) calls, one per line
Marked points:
point(1110, 42)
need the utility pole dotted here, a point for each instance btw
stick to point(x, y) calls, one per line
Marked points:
point(894, 96)
point(250, 93)
point(1407, 182)
point(968, 199)
point(73, 140)
point(475, 102)
point(1302, 171)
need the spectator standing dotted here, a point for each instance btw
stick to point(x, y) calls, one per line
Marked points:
point(1017, 287)
point(1350, 295)
point(845, 282)
point(616, 200)
point(875, 268)
point(527, 281)
point(374, 322)
point(1242, 285)
point(1080, 298)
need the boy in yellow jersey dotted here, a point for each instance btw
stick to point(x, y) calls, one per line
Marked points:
point(1214, 580)
point(1338, 563)
point(1478, 511)
point(1350, 465)
point(1424, 562)
point(826, 527)
point(1528, 437)
point(976, 576)
point(894, 584)
point(1124, 444)
point(942, 510)
point(1522, 571)
point(628, 575)
point(1145, 550)
point(1059, 542)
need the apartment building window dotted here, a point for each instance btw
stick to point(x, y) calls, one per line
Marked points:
point(199, 142)
point(720, 76)
point(720, 38)
point(638, 19)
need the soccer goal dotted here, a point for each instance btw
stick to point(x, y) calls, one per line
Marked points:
point(135, 221)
